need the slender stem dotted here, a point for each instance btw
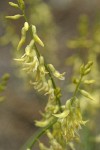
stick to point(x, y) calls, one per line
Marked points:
point(42, 131)
point(50, 75)
point(76, 89)
point(25, 17)
point(29, 144)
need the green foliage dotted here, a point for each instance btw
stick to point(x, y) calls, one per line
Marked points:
point(3, 83)
point(88, 41)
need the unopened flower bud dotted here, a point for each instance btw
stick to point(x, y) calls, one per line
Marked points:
point(75, 81)
point(21, 4)
point(87, 71)
point(26, 26)
point(33, 29)
point(89, 64)
point(86, 94)
point(89, 81)
point(41, 60)
point(13, 5)
point(23, 38)
point(82, 69)
point(15, 17)
point(38, 40)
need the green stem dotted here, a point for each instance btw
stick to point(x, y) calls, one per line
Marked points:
point(77, 88)
point(30, 143)
point(39, 133)
point(50, 75)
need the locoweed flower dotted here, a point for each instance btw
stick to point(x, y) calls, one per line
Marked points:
point(56, 73)
point(42, 68)
point(35, 36)
point(23, 35)
point(31, 66)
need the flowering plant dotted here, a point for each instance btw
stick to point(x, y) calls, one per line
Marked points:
point(60, 122)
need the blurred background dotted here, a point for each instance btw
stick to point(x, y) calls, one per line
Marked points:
point(70, 30)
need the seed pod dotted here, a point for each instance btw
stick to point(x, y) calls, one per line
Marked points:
point(15, 17)
point(13, 5)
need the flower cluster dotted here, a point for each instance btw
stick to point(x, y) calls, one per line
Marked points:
point(65, 121)
point(70, 120)
point(33, 63)
point(68, 124)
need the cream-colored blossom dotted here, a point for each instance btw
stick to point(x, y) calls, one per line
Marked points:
point(36, 37)
point(70, 120)
point(31, 66)
point(56, 73)
point(42, 68)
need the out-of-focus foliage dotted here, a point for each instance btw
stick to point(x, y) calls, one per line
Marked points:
point(3, 83)
point(87, 47)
